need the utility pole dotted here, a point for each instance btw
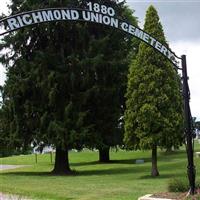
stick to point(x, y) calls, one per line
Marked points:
point(188, 127)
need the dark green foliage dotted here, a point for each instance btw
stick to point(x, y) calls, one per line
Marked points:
point(153, 114)
point(66, 81)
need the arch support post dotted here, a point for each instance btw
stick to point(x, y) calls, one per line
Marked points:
point(188, 128)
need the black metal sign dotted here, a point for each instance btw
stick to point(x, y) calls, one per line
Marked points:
point(95, 13)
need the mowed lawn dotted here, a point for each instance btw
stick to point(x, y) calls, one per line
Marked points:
point(120, 180)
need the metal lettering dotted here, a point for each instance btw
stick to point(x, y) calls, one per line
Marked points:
point(37, 17)
point(146, 37)
point(54, 14)
point(114, 22)
point(139, 33)
point(57, 14)
point(170, 55)
point(164, 50)
point(131, 29)
point(94, 17)
point(124, 26)
point(106, 20)
point(47, 15)
point(158, 46)
point(86, 15)
point(26, 19)
point(13, 24)
point(152, 41)
point(74, 15)
point(65, 14)
point(20, 21)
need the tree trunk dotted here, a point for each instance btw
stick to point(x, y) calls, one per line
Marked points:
point(61, 165)
point(169, 150)
point(104, 154)
point(154, 170)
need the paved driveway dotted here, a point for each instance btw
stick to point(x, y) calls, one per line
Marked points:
point(5, 167)
point(11, 197)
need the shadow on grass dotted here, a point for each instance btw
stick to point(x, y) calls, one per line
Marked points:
point(114, 171)
point(21, 173)
point(116, 167)
point(126, 161)
point(163, 157)
point(162, 176)
point(173, 154)
point(94, 172)
point(139, 173)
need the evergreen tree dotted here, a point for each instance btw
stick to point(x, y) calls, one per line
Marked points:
point(44, 83)
point(55, 70)
point(109, 56)
point(153, 115)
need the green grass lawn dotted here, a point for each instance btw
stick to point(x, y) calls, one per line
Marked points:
point(120, 180)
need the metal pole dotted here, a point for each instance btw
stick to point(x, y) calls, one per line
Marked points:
point(36, 158)
point(188, 127)
point(51, 157)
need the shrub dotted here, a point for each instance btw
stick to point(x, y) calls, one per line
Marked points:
point(180, 185)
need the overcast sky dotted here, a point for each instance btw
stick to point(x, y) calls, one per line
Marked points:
point(181, 23)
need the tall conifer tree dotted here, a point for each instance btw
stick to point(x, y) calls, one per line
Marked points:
point(109, 56)
point(153, 114)
point(55, 70)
